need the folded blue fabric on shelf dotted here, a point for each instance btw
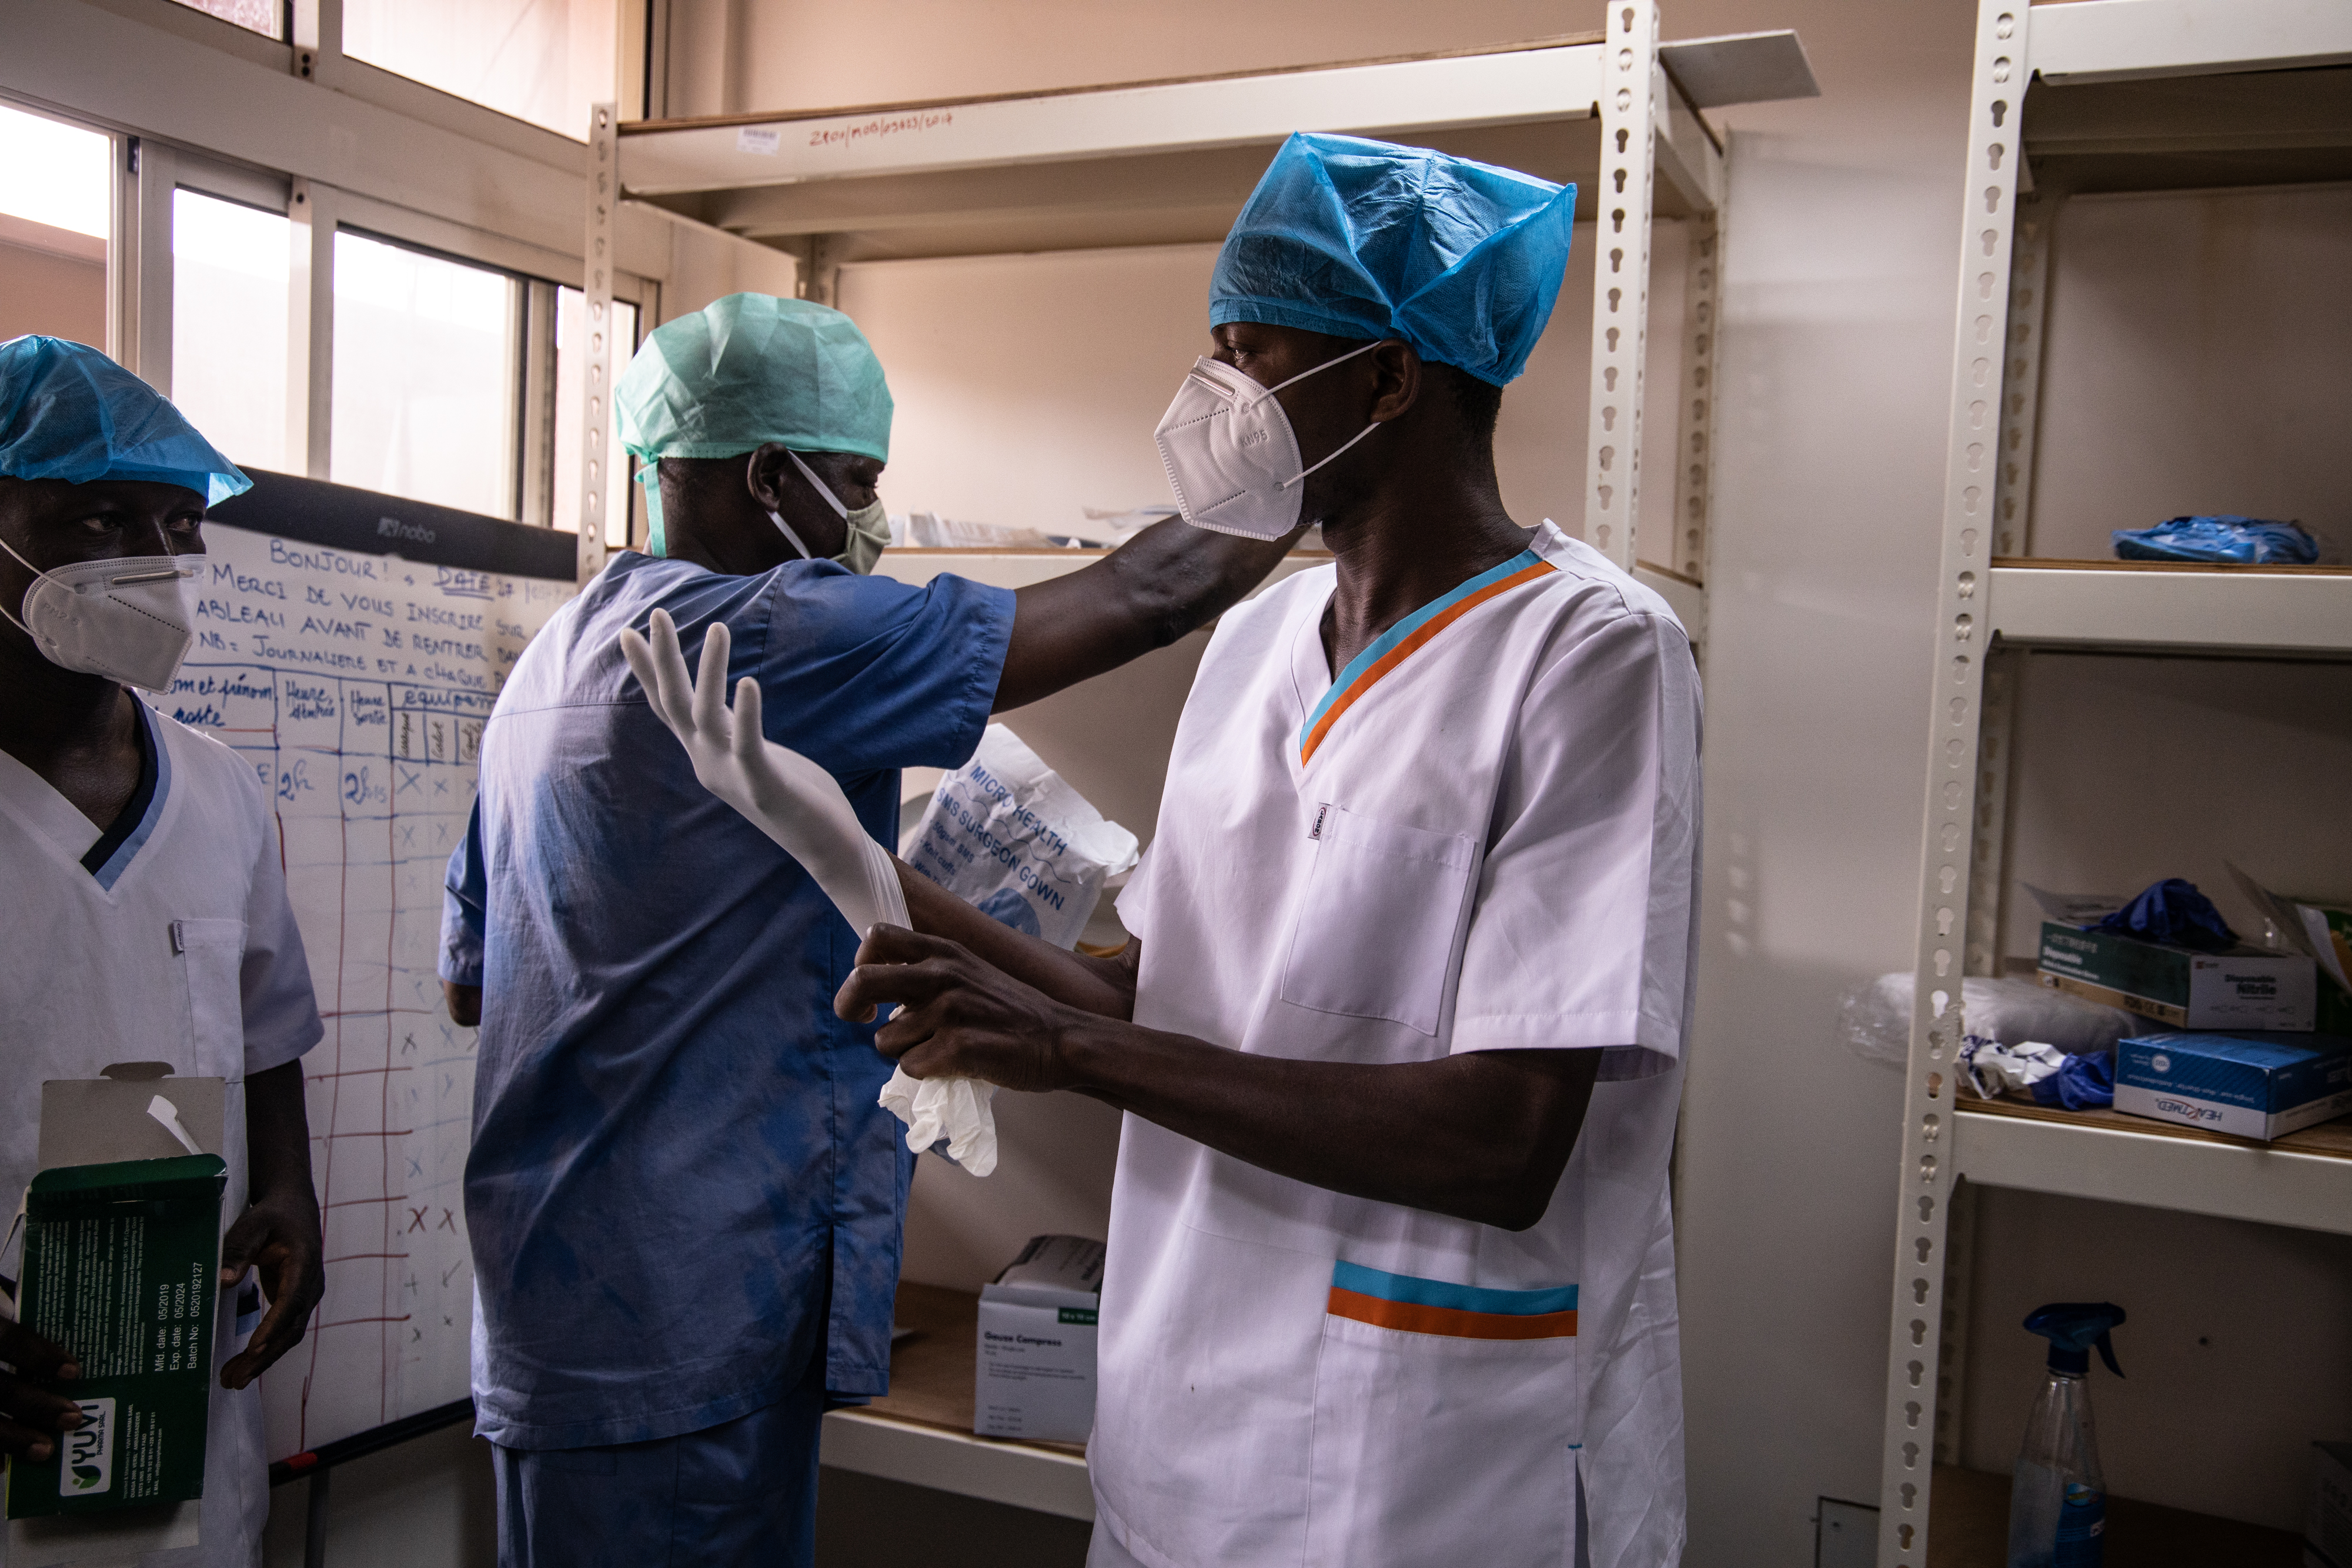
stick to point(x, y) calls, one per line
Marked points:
point(2244, 541)
point(2085, 1083)
point(2173, 910)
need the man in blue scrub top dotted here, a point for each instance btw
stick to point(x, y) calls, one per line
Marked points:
point(684, 1203)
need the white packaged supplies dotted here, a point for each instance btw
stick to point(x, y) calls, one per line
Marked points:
point(1035, 1372)
point(1874, 1018)
point(1004, 833)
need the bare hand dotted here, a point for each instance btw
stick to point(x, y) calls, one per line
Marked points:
point(958, 1017)
point(30, 1414)
point(464, 1003)
point(279, 1236)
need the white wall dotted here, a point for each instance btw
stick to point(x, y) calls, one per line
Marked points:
point(1838, 310)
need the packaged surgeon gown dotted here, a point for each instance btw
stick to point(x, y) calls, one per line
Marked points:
point(1479, 837)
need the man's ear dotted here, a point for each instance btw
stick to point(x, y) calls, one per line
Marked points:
point(763, 475)
point(1397, 383)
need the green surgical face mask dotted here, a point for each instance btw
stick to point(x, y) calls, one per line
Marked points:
point(869, 527)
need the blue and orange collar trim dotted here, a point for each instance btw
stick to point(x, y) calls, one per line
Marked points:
point(1414, 1306)
point(1408, 637)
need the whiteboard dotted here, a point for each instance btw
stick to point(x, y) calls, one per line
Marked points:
point(357, 684)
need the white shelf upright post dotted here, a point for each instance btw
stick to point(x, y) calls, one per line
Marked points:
point(1917, 1327)
point(596, 377)
point(1633, 94)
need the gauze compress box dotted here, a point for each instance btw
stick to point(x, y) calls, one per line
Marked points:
point(1037, 1323)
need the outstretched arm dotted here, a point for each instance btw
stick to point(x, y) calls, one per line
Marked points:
point(1169, 580)
point(1483, 1136)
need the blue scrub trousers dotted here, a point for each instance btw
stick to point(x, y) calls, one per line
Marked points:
point(742, 1494)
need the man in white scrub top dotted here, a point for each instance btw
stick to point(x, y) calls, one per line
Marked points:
point(145, 918)
point(1399, 1037)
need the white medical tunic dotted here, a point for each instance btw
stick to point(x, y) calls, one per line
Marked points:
point(1480, 837)
point(165, 937)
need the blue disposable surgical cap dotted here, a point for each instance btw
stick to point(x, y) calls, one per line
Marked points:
point(1366, 239)
point(749, 370)
point(68, 411)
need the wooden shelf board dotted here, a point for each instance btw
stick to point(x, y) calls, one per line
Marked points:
point(2173, 607)
point(1968, 1527)
point(2331, 1140)
point(921, 1432)
point(2195, 568)
point(2303, 1179)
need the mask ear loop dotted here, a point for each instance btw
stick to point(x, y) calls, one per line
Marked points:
point(1301, 376)
point(38, 575)
point(822, 488)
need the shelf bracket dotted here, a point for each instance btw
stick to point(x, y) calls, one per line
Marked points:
point(1632, 95)
point(596, 368)
point(2020, 403)
point(1686, 548)
point(1963, 634)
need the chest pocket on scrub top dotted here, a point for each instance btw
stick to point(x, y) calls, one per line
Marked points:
point(212, 958)
point(1376, 927)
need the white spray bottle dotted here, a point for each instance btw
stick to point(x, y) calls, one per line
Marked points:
point(2058, 1498)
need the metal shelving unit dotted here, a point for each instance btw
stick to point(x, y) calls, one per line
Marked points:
point(1616, 110)
point(2086, 96)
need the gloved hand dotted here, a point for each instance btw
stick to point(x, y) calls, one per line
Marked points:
point(781, 793)
point(956, 1109)
point(801, 807)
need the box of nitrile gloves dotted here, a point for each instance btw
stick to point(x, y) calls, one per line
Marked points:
point(121, 1267)
point(2251, 1085)
point(2246, 988)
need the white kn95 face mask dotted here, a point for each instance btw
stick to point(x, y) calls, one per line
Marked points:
point(127, 618)
point(1231, 454)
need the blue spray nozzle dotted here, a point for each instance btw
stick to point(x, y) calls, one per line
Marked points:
point(2073, 1329)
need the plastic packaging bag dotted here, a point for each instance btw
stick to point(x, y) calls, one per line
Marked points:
point(2244, 541)
point(1874, 1018)
point(1004, 833)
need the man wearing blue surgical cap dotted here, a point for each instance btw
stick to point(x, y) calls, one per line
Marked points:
point(1399, 1039)
point(146, 917)
point(684, 1201)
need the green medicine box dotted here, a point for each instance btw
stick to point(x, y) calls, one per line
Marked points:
point(121, 1267)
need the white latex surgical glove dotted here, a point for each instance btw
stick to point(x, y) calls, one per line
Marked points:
point(801, 807)
point(778, 790)
point(956, 1109)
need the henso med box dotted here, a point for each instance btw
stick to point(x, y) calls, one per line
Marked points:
point(2253, 1085)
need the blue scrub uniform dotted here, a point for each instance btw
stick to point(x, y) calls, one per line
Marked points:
point(684, 1204)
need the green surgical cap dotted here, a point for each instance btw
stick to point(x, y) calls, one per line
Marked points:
point(1367, 239)
point(749, 370)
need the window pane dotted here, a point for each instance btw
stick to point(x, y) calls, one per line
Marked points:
point(540, 60)
point(426, 352)
point(229, 314)
point(267, 17)
point(57, 189)
point(571, 305)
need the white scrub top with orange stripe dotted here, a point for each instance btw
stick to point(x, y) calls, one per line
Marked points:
point(1481, 836)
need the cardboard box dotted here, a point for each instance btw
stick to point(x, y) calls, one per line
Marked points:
point(1035, 1376)
point(2327, 1528)
point(2243, 988)
point(122, 1263)
point(2252, 1085)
